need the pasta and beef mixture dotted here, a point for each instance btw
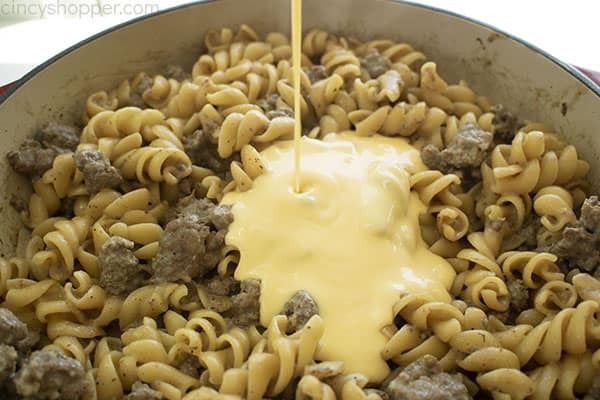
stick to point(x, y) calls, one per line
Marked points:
point(125, 289)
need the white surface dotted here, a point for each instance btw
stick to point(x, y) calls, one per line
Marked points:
point(565, 30)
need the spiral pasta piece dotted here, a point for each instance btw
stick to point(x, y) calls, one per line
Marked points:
point(13, 268)
point(555, 205)
point(239, 130)
point(568, 331)
point(275, 361)
point(153, 300)
point(432, 185)
point(99, 102)
point(155, 164)
point(119, 123)
point(565, 379)
point(62, 248)
point(161, 91)
point(534, 268)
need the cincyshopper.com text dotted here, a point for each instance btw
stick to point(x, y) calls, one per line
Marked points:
point(43, 9)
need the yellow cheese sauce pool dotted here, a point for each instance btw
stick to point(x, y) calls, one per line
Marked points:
point(350, 238)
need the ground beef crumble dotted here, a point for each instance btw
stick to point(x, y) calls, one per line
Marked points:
point(424, 380)
point(578, 245)
point(505, 123)
point(13, 332)
point(220, 291)
point(199, 147)
point(299, 308)
point(375, 64)
point(176, 72)
point(120, 272)
point(97, 171)
point(188, 364)
point(191, 243)
point(245, 310)
point(280, 112)
point(463, 155)
point(222, 285)
point(32, 158)
point(268, 103)
point(316, 73)
point(59, 137)
point(35, 156)
point(50, 375)
point(143, 83)
point(525, 237)
point(141, 391)
point(8, 362)
point(519, 301)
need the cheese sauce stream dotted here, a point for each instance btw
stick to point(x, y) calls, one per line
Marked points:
point(296, 61)
point(351, 239)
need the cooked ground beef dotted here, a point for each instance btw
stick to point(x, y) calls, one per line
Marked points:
point(120, 272)
point(177, 73)
point(245, 310)
point(268, 103)
point(505, 123)
point(280, 112)
point(135, 97)
point(219, 303)
point(8, 362)
point(467, 150)
point(578, 248)
point(66, 208)
point(13, 332)
point(97, 171)
point(424, 380)
point(35, 156)
point(50, 375)
point(220, 292)
point(141, 391)
point(59, 137)
point(578, 245)
point(218, 217)
point(222, 286)
point(203, 152)
point(525, 238)
point(299, 308)
point(590, 216)
point(31, 158)
point(270, 108)
point(188, 364)
point(519, 300)
point(375, 64)
point(191, 243)
point(316, 73)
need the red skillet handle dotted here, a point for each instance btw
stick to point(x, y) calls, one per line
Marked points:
point(3, 88)
point(593, 75)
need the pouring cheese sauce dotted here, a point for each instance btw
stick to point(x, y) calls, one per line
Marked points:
point(344, 228)
point(350, 238)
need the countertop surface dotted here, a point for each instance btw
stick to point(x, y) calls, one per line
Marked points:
point(564, 29)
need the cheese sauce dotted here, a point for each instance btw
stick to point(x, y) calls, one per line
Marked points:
point(297, 61)
point(350, 238)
